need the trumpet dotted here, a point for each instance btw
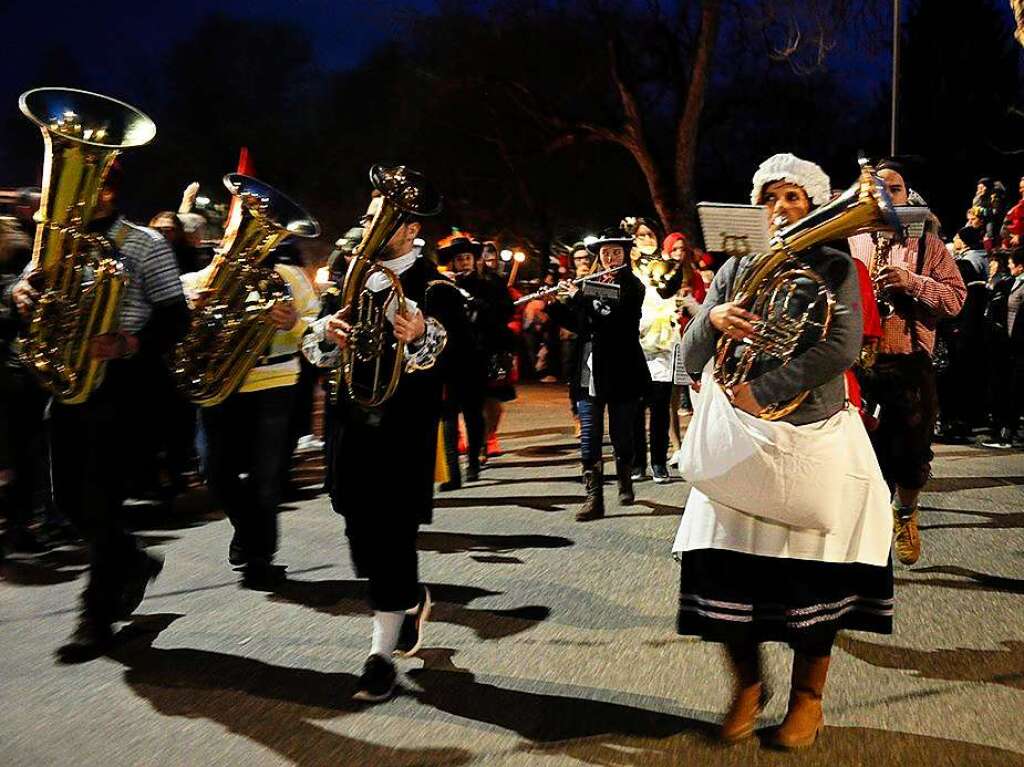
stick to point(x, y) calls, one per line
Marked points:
point(550, 289)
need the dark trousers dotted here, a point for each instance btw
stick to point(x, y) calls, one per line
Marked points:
point(87, 453)
point(620, 425)
point(1006, 384)
point(658, 400)
point(244, 435)
point(904, 386)
point(25, 449)
point(471, 406)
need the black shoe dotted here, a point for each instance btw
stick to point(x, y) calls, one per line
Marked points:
point(377, 683)
point(236, 553)
point(660, 474)
point(21, 540)
point(411, 636)
point(472, 473)
point(449, 485)
point(91, 639)
point(262, 576)
point(625, 476)
point(144, 573)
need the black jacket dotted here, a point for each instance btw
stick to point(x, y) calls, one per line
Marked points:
point(383, 458)
point(613, 330)
point(996, 315)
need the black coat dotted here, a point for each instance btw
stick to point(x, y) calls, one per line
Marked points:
point(383, 458)
point(613, 330)
point(997, 313)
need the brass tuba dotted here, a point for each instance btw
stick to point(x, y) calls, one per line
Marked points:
point(232, 327)
point(769, 287)
point(372, 361)
point(81, 277)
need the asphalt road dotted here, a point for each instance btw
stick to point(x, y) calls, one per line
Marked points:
point(551, 641)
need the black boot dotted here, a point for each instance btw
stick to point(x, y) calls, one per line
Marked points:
point(593, 507)
point(624, 472)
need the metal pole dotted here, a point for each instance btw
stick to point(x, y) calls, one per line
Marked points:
point(895, 75)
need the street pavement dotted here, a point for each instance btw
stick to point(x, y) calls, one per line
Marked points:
point(551, 642)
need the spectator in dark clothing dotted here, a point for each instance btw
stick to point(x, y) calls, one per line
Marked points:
point(1005, 330)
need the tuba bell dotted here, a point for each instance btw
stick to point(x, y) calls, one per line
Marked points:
point(81, 277)
point(769, 287)
point(373, 360)
point(232, 327)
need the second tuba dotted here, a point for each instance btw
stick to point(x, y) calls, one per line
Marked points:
point(232, 328)
point(81, 277)
point(373, 360)
point(769, 287)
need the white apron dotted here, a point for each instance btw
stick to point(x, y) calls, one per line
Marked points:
point(775, 489)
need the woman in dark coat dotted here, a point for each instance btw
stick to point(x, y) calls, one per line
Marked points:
point(610, 372)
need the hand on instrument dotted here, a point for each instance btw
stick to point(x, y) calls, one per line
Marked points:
point(732, 320)
point(894, 278)
point(567, 287)
point(410, 328)
point(743, 399)
point(24, 297)
point(112, 346)
point(337, 329)
point(283, 315)
point(188, 197)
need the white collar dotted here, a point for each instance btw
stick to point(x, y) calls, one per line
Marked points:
point(396, 266)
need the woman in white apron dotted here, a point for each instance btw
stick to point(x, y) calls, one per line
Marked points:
point(796, 572)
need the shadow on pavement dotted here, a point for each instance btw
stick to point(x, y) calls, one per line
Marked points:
point(336, 597)
point(952, 484)
point(962, 664)
point(994, 520)
point(534, 502)
point(460, 543)
point(274, 706)
point(976, 581)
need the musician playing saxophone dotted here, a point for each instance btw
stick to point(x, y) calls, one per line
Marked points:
point(923, 284)
point(746, 579)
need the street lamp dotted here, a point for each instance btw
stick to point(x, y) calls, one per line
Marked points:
point(506, 255)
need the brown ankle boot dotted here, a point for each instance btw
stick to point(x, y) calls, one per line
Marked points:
point(805, 718)
point(749, 698)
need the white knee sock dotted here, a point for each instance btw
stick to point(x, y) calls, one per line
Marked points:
point(386, 627)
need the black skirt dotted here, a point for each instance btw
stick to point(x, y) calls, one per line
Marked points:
point(736, 598)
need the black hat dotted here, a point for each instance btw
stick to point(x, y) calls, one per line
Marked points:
point(971, 238)
point(613, 235)
point(456, 243)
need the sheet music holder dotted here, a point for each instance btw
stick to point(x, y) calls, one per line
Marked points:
point(737, 230)
point(914, 219)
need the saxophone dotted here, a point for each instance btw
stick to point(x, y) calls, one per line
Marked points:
point(768, 287)
point(232, 328)
point(81, 277)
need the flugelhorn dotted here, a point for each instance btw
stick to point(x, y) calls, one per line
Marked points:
point(82, 278)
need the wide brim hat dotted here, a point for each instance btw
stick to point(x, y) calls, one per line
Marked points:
point(611, 236)
point(450, 247)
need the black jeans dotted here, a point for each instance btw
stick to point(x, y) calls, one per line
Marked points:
point(244, 436)
point(620, 425)
point(25, 450)
point(471, 405)
point(1006, 383)
point(87, 452)
point(904, 386)
point(658, 401)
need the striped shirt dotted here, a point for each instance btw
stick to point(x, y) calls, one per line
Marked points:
point(938, 291)
point(152, 272)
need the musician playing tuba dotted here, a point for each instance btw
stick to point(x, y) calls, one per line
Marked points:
point(384, 447)
point(91, 439)
point(786, 532)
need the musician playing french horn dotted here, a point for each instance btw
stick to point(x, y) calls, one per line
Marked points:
point(752, 571)
point(385, 445)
